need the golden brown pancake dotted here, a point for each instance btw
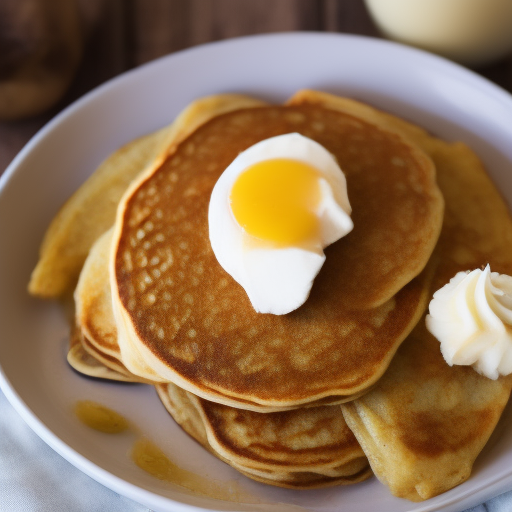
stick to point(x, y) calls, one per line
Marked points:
point(424, 422)
point(110, 362)
point(181, 317)
point(83, 362)
point(97, 329)
point(91, 209)
point(301, 449)
point(86, 215)
point(93, 300)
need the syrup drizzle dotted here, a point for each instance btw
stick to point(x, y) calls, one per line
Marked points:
point(150, 458)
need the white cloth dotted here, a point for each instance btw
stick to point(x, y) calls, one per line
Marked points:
point(34, 478)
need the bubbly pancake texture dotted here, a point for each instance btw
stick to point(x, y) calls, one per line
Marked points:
point(181, 316)
point(96, 327)
point(301, 449)
point(424, 422)
point(86, 215)
point(91, 210)
point(421, 425)
point(94, 318)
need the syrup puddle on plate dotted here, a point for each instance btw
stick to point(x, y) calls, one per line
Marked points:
point(150, 458)
point(101, 418)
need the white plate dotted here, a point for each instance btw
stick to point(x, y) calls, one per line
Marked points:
point(444, 98)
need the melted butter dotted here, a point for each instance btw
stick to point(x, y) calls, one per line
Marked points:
point(99, 417)
point(276, 200)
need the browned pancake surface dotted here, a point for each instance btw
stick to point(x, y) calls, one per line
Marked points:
point(89, 364)
point(197, 320)
point(424, 423)
point(93, 299)
point(304, 448)
point(308, 437)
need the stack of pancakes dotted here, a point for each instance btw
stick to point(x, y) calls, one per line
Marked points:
point(317, 396)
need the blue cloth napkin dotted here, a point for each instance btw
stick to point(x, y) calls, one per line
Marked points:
point(34, 478)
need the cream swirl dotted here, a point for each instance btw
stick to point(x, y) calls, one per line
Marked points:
point(471, 316)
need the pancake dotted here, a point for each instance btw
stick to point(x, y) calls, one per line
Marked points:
point(93, 300)
point(111, 363)
point(181, 317)
point(85, 363)
point(87, 214)
point(91, 209)
point(94, 315)
point(97, 330)
point(424, 422)
point(301, 449)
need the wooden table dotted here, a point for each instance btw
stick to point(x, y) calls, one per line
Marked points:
point(122, 34)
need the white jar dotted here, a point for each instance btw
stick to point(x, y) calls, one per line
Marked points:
point(472, 32)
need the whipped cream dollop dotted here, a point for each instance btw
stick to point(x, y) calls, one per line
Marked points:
point(471, 316)
point(272, 212)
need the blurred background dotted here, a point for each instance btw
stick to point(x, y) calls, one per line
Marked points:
point(54, 51)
